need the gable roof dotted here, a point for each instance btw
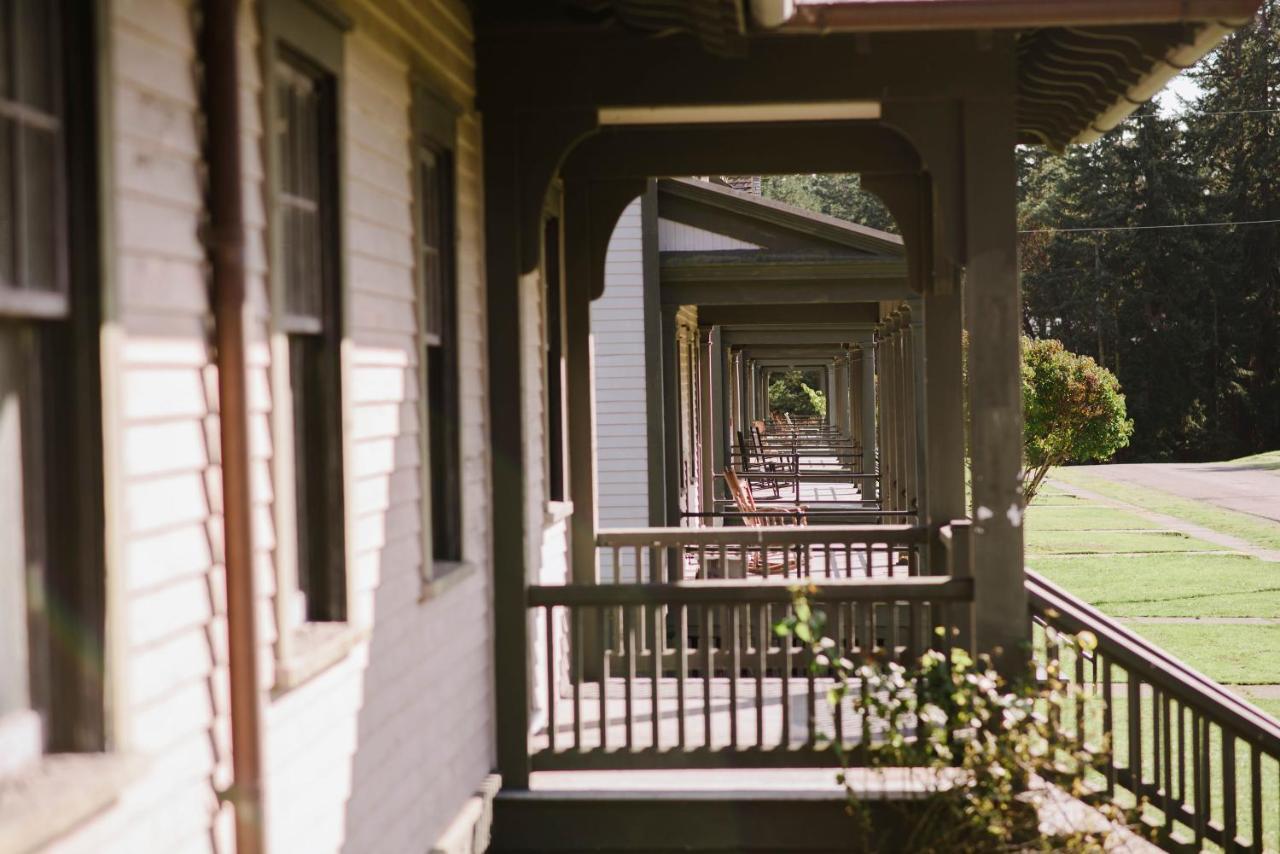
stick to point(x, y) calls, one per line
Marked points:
point(772, 214)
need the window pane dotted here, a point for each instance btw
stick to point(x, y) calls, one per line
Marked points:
point(36, 53)
point(434, 218)
point(40, 238)
point(8, 220)
point(300, 103)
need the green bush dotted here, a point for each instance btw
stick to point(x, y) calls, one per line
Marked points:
point(991, 754)
point(1073, 411)
point(792, 393)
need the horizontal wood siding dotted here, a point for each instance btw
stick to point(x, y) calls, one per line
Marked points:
point(678, 237)
point(381, 750)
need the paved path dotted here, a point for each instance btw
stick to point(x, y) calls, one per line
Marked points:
point(1173, 523)
point(1246, 489)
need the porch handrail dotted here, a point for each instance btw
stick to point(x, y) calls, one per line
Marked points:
point(920, 588)
point(1178, 752)
point(1056, 607)
point(880, 535)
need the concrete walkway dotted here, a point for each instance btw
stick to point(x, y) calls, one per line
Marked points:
point(1172, 523)
point(1245, 489)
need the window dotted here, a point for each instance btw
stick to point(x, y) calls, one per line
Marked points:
point(553, 303)
point(438, 321)
point(51, 549)
point(306, 218)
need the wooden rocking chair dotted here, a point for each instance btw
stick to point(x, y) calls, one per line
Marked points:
point(783, 516)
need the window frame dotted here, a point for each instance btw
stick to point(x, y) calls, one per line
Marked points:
point(64, 703)
point(434, 125)
point(554, 358)
point(310, 32)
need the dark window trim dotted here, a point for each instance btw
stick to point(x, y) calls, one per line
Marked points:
point(311, 33)
point(434, 123)
point(66, 685)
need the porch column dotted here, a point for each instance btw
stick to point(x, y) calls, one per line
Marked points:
point(580, 391)
point(670, 417)
point(870, 441)
point(706, 425)
point(718, 393)
point(944, 413)
point(992, 316)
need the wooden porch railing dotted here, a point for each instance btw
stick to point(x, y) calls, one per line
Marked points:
point(819, 551)
point(1205, 759)
point(682, 669)
point(691, 675)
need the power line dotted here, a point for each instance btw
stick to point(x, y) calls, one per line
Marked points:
point(1147, 227)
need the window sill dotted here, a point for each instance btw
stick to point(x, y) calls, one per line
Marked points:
point(558, 511)
point(58, 793)
point(446, 574)
point(314, 648)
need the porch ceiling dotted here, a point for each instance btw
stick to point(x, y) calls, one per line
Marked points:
point(1083, 65)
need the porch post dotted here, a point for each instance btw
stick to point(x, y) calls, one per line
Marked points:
point(706, 418)
point(671, 428)
point(718, 392)
point(870, 441)
point(506, 280)
point(992, 315)
point(944, 413)
point(580, 395)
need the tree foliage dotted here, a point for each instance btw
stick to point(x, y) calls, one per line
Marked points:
point(1073, 410)
point(1187, 318)
point(834, 195)
point(793, 393)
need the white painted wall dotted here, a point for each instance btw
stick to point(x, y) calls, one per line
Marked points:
point(617, 326)
point(381, 750)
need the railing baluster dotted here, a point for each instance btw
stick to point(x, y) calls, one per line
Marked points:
point(736, 670)
point(1258, 840)
point(656, 650)
point(1108, 724)
point(1198, 776)
point(762, 656)
point(682, 673)
point(1134, 721)
point(707, 669)
point(785, 642)
point(603, 618)
point(549, 622)
point(1229, 825)
point(575, 647)
point(631, 616)
point(1168, 802)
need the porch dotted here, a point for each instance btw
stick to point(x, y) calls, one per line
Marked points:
point(653, 651)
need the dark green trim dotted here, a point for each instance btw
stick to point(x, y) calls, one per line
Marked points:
point(655, 420)
point(783, 216)
point(311, 27)
point(764, 265)
point(794, 291)
point(435, 117)
point(786, 314)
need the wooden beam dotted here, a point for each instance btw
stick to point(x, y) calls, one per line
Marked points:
point(766, 265)
point(654, 364)
point(796, 292)
point(772, 314)
point(864, 147)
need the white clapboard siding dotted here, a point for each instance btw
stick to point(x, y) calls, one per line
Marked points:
point(678, 237)
point(617, 325)
point(381, 750)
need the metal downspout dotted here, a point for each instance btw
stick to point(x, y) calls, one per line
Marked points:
point(226, 247)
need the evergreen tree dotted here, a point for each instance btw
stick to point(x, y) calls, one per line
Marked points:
point(835, 195)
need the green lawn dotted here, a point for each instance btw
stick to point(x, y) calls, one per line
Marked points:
point(1235, 654)
point(1251, 529)
point(1081, 541)
point(1082, 516)
point(1172, 585)
point(1269, 460)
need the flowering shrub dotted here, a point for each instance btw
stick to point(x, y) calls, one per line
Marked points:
point(991, 759)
